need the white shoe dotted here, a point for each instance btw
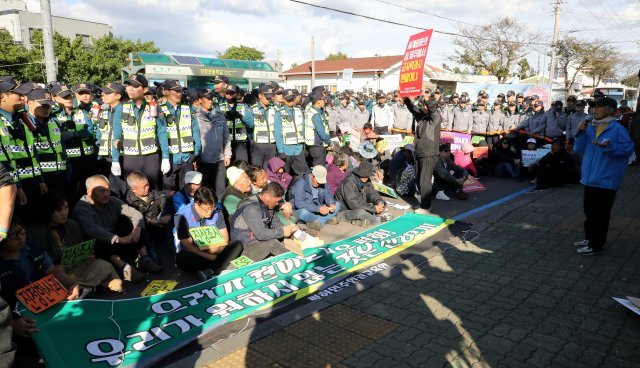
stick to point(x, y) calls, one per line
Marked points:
point(441, 196)
point(422, 211)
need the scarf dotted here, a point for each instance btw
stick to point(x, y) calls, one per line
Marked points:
point(602, 124)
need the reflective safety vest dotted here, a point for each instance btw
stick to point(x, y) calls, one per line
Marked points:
point(48, 147)
point(105, 126)
point(179, 132)
point(237, 129)
point(138, 138)
point(22, 150)
point(82, 146)
point(263, 124)
point(309, 129)
point(6, 158)
point(292, 126)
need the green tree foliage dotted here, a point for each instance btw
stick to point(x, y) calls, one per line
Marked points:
point(337, 56)
point(524, 69)
point(242, 53)
point(12, 57)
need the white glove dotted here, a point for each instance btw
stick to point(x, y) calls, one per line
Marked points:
point(165, 166)
point(115, 169)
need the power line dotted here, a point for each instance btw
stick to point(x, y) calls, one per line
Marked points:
point(414, 27)
point(424, 12)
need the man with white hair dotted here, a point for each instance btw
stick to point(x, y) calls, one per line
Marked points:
point(100, 217)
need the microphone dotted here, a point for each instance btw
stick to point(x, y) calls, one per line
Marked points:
point(582, 130)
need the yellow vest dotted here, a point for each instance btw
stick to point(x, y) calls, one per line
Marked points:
point(85, 146)
point(292, 126)
point(22, 149)
point(263, 124)
point(309, 129)
point(5, 147)
point(179, 132)
point(138, 138)
point(106, 133)
point(48, 148)
point(237, 129)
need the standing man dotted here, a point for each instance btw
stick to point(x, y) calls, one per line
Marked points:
point(142, 133)
point(220, 84)
point(360, 116)
point(262, 119)
point(316, 132)
point(402, 118)
point(183, 133)
point(606, 147)
point(236, 113)
point(555, 121)
point(427, 145)
point(112, 95)
point(382, 115)
point(344, 112)
point(289, 134)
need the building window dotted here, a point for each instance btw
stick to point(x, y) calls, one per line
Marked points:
point(302, 89)
point(86, 40)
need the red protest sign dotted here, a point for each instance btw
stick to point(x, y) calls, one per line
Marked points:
point(412, 69)
point(42, 294)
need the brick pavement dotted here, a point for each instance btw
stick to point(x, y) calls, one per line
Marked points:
point(518, 295)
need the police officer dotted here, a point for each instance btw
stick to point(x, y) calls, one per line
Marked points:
point(142, 133)
point(262, 119)
point(183, 133)
point(236, 115)
point(82, 152)
point(220, 84)
point(316, 132)
point(112, 96)
point(462, 116)
point(289, 134)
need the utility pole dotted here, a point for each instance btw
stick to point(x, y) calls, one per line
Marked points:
point(552, 68)
point(313, 61)
point(47, 40)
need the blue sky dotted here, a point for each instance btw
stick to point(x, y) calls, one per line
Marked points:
point(282, 27)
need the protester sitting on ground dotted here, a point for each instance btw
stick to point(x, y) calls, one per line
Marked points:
point(398, 163)
point(156, 208)
point(463, 158)
point(448, 178)
point(312, 199)
point(361, 203)
point(337, 171)
point(211, 259)
point(276, 173)
point(407, 178)
point(529, 172)
point(258, 177)
point(192, 181)
point(117, 228)
point(368, 133)
point(368, 152)
point(556, 168)
point(56, 232)
point(257, 226)
point(505, 159)
point(238, 189)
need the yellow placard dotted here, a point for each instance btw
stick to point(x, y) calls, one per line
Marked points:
point(159, 287)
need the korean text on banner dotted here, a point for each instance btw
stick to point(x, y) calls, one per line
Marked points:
point(412, 69)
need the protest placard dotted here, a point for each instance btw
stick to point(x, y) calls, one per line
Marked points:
point(77, 253)
point(242, 261)
point(530, 158)
point(385, 190)
point(344, 127)
point(159, 287)
point(393, 141)
point(456, 139)
point(354, 139)
point(408, 139)
point(412, 68)
point(481, 152)
point(206, 236)
point(472, 185)
point(42, 294)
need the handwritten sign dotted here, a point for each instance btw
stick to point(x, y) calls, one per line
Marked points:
point(42, 294)
point(344, 127)
point(354, 139)
point(456, 139)
point(412, 68)
point(159, 287)
point(472, 185)
point(408, 139)
point(242, 261)
point(77, 253)
point(393, 141)
point(206, 236)
point(530, 158)
point(385, 190)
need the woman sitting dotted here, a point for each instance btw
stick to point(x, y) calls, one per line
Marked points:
point(505, 159)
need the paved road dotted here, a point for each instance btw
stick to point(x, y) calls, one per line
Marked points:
point(515, 294)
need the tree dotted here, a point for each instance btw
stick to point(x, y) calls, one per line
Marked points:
point(494, 47)
point(13, 58)
point(608, 63)
point(524, 70)
point(293, 65)
point(242, 53)
point(337, 56)
point(573, 56)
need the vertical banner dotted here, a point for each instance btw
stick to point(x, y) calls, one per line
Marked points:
point(412, 69)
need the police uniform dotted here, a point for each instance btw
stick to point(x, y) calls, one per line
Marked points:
point(81, 151)
point(316, 135)
point(263, 144)
point(104, 139)
point(289, 134)
point(236, 115)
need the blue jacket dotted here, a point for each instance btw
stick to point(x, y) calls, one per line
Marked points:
point(604, 167)
point(302, 195)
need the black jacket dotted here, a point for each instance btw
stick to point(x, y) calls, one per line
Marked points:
point(157, 212)
point(354, 194)
point(428, 121)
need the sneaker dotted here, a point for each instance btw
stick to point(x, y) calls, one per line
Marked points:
point(131, 274)
point(422, 211)
point(442, 196)
point(148, 264)
point(588, 251)
point(314, 225)
point(581, 243)
point(334, 221)
point(360, 223)
point(206, 274)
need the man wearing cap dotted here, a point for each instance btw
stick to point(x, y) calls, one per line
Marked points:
point(312, 199)
point(262, 119)
point(183, 197)
point(402, 118)
point(10, 102)
point(360, 116)
point(183, 132)
point(236, 115)
point(519, 99)
point(574, 119)
point(220, 84)
point(555, 121)
point(81, 154)
point(447, 112)
point(316, 132)
point(142, 134)
point(112, 95)
point(480, 120)
point(47, 139)
point(606, 147)
point(382, 117)
point(216, 146)
point(495, 126)
point(360, 202)
point(289, 134)
point(462, 117)
point(571, 105)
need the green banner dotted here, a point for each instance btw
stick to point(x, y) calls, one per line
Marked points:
point(140, 331)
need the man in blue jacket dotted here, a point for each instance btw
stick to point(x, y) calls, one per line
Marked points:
point(606, 147)
point(312, 199)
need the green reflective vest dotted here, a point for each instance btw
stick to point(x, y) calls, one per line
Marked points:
point(309, 129)
point(104, 125)
point(237, 129)
point(179, 132)
point(263, 124)
point(83, 146)
point(292, 126)
point(48, 147)
point(138, 138)
point(22, 149)
point(6, 158)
